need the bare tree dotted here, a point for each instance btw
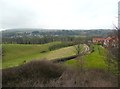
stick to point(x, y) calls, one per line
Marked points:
point(78, 49)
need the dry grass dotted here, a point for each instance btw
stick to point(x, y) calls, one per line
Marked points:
point(89, 78)
point(30, 72)
point(47, 74)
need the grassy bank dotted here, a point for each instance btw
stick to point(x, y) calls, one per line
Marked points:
point(96, 59)
point(17, 54)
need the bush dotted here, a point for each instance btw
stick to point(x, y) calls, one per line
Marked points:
point(88, 78)
point(34, 70)
point(43, 51)
point(47, 74)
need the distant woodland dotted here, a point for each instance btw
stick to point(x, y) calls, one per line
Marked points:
point(43, 36)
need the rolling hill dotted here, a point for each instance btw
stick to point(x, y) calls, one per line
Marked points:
point(17, 54)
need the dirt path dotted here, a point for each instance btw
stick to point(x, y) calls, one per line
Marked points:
point(86, 48)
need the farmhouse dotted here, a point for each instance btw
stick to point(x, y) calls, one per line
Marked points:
point(98, 40)
point(107, 42)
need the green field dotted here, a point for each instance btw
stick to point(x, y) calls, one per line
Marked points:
point(16, 54)
point(96, 59)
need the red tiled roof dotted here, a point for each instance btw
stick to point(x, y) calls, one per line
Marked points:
point(108, 38)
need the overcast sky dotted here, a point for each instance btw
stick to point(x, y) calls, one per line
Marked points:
point(58, 14)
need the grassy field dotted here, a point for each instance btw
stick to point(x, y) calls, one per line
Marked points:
point(63, 52)
point(16, 54)
point(48, 74)
point(96, 59)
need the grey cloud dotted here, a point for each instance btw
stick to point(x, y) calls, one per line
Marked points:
point(15, 17)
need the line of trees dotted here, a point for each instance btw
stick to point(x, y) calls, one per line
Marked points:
point(43, 40)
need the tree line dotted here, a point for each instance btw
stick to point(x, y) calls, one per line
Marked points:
point(43, 40)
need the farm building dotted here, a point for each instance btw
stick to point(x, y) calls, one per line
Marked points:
point(98, 40)
point(109, 41)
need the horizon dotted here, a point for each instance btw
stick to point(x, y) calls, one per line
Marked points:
point(52, 29)
point(41, 29)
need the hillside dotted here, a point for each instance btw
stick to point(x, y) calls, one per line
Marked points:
point(94, 60)
point(17, 54)
point(54, 32)
point(88, 70)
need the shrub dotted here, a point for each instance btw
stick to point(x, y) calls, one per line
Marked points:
point(34, 70)
point(47, 74)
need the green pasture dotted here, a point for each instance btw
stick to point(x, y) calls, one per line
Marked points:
point(17, 54)
point(96, 59)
